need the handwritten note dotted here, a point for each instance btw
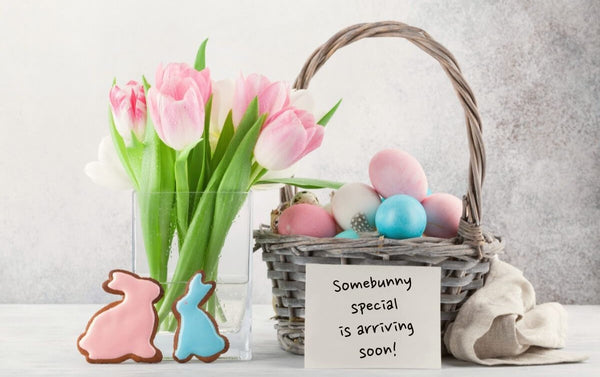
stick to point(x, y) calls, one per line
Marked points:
point(372, 317)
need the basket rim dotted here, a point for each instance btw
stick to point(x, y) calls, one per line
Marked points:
point(381, 246)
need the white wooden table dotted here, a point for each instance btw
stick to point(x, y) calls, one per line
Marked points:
point(40, 340)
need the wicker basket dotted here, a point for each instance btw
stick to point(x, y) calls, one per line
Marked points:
point(464, 260)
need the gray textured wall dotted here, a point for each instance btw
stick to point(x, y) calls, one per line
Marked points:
point(534, 67)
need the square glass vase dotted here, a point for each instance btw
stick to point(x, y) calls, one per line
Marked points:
point(233, 308)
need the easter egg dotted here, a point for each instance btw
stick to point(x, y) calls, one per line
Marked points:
point(305, 197)
point(352, 199)
point(401, 216)
point(306, 220)
point(394, 172)
point(351, 234)
point(362, 223)
point(443, 215)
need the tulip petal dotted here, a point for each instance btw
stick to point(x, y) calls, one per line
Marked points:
point(204, 83)
point(128, 107)
point(240, 99)
point(153, 95)
point(177, 104)
point(182, 121)
point(256, 83)
point(108, 171)
point(302, 99)
point(281, 142)
point(314, 139)
point(307, 119)
point(158, 77)
point(273, 98)
point(222, 102)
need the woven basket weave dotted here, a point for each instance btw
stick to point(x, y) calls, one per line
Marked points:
point(464, 260)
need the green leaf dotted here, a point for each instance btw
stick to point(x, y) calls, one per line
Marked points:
point(206, 141)
point(224, 139)
point(191, 254)
point(237, 176)
point(195, 161)
point(248, 120)
point(121, 150)
point(306, 183)
point(228, 200)
point(205, 170)
point(156, 199)
point(146, 85)
point(257, 173)
point(200, 63)
point(325, 119)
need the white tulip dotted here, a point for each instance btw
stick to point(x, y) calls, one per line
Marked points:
point(222, 103)
point(108, 171)
point(302, 99)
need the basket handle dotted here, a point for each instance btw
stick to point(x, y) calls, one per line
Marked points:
point(469, 228)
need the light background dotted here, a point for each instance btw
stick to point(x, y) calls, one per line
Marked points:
point(534, 67)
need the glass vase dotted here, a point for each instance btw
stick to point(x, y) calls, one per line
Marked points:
point(231, 304)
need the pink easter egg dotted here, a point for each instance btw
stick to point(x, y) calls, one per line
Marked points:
point(307, 220)
point(394, 172)
point(443, 215)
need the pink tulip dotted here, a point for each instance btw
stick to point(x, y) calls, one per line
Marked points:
point(286, 138)
point(128, 106)
point(177, 102)
point(272, 96)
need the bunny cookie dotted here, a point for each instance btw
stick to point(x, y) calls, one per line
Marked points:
point(124, 329)
point(197, 331)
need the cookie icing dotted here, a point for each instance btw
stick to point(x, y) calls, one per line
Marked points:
point(197, 331)
point(124, 329)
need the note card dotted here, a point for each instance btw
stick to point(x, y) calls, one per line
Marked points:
point(372, 317)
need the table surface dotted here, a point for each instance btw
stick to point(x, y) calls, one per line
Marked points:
point(40, 340)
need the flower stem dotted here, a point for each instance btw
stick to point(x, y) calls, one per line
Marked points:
point(183, 192)
point(256, 174)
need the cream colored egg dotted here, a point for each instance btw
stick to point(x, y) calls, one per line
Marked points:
point(354, 198)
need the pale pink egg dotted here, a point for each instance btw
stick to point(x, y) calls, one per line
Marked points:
point(394, 172)
point(443, 215)
point(307, 220)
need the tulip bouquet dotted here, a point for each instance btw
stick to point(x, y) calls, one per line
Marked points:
point(190, 145)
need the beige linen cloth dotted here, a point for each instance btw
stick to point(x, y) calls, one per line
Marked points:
point(501, 324)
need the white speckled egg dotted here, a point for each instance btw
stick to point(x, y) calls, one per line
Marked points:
point(354, 198)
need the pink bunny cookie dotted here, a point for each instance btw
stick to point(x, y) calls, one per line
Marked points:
point(124, 329)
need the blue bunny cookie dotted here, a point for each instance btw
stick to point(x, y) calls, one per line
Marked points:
point(197, 332)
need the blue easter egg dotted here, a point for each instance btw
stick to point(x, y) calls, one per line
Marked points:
point(428, 192)
point(350, 233)
point(401, 216)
